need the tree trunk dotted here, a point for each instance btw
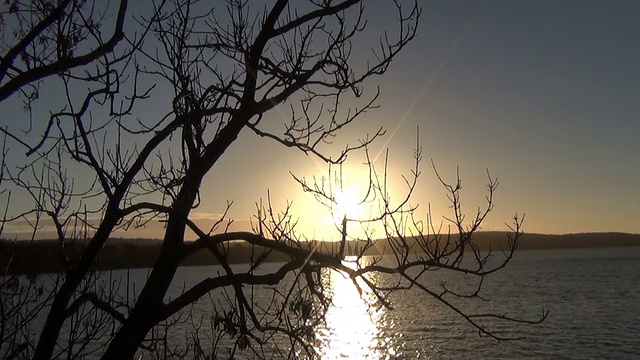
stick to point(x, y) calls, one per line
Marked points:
point(57, 315)
point(128, 339)
point(51, 330)
point(146, 312)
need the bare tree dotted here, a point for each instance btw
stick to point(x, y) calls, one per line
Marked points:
point(226, 67)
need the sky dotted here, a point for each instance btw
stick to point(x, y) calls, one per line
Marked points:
point(542, 94)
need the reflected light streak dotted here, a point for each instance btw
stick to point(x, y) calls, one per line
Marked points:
point(353, 328)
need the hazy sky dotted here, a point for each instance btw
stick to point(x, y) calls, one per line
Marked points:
point(544, 94)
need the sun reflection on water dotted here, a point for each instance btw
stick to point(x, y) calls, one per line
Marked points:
point(354, 326)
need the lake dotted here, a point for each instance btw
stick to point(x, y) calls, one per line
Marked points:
point(592, 295)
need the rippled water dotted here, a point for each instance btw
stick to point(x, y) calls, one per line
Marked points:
point(592, 295)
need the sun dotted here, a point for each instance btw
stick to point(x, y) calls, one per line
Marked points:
point(348, 203)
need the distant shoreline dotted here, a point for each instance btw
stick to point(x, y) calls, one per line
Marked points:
point(42, 256)
point(578, 240)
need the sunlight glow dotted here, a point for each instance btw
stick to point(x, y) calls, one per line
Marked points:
point(353, 328)
point(349, 204)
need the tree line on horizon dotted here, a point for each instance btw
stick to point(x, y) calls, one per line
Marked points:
point(24, 257)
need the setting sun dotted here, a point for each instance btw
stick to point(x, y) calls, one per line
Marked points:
point(349, 203)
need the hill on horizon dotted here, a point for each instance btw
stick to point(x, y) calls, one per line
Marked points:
point(43, 256)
